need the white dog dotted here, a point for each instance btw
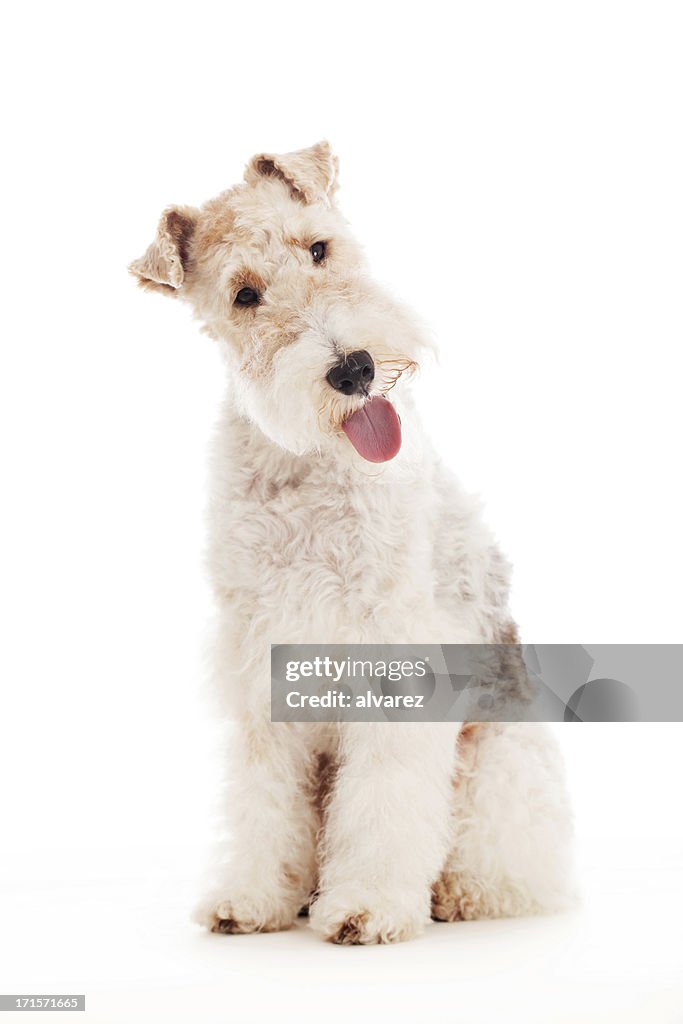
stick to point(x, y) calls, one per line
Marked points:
point(334, 522)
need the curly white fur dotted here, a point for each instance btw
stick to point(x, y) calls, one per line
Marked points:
point(375, 825)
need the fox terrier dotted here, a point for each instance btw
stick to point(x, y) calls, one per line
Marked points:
point(333, 521)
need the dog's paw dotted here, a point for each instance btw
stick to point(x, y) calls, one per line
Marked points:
point(365, 922)
point(453, 900)
point(461, 897)
point(233, 914)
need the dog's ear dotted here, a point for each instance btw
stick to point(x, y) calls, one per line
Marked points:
point(311, 174)
point(164, 265)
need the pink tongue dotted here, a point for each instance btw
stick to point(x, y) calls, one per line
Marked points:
point(375, 430)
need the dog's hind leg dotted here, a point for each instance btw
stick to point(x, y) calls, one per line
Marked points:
point(262, 880)
point(511, 853)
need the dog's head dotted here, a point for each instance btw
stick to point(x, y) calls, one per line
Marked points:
point(272, 271)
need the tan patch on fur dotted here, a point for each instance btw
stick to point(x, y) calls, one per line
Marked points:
point(225, 926)
point(258, 360)
point(230, 926)
point(449, 904)
point(513, 667)
point(468, 737)
point(306, 242)
point(162, 267)
point(267, 168)
point(291, 877)
point(310, 174)
point(247, 278)
point(507, 634)
point(181, 226)
point(323, 782)
point(350, 932)
point(215, 226)
point(155, 286)
point(468, 730)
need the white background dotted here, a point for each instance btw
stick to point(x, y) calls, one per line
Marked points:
point(514, 171)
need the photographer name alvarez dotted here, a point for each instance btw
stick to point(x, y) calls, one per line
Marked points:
point(335, 699)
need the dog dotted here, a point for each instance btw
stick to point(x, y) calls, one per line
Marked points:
point(333, 521)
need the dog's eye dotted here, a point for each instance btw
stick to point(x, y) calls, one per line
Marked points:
point(319, 251)
point(247, 297)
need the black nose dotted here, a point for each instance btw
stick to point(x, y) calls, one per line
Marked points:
point(353, 374)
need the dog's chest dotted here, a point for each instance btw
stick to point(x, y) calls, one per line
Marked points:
point(317, 558)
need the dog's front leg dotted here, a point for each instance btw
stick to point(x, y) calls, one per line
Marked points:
point(386, 831)
point(268, 873)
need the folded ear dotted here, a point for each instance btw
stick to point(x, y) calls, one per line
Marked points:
point(311, 174)
point(164, 264)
